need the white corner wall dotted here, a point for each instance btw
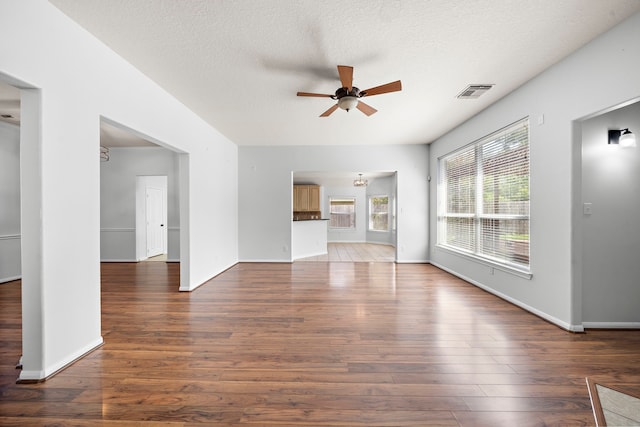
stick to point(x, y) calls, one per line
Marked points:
point(611, 235)
point(75, 81)
point(265, 193)
point(118, 200)
point(9, 202)
point(602, 74)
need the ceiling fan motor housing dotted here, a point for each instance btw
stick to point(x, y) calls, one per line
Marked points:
point(344, 91)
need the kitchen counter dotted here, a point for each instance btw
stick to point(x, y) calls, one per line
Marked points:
point(308, 238)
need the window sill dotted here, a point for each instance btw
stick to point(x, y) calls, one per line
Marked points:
point(525, 274)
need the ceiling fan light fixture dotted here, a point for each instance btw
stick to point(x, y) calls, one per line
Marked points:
point(348, 102)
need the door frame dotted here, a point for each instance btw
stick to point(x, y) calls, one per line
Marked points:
point(142, 182)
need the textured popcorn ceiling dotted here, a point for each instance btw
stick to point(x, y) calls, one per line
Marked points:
point(238, 64)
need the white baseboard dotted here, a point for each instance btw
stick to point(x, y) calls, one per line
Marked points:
point(320, 253)
point(119, 260)
point(560, 323)
point(287, 261)
point(611, 325)
point(28, 376)
point(189, 288)
point(10, 279)
point(413, 261)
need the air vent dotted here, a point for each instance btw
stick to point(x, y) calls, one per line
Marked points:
point(473, 91)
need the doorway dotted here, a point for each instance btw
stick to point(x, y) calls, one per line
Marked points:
point(151, 217)
point(609, 201)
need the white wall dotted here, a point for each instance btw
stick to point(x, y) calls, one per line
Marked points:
point(611, 234)
point(309, 238)
point(9, 202)
point(265, 193)
point(118, 200)
point(71, 80)
point(602, 74)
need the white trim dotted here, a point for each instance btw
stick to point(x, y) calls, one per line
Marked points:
point(119, 260)
point(50, 370)
point(286, 261)
point(10, 237)
point(541, 314)
point(485, 261)
point(123, 230)
point(412, 261)
point(183, 288)
point(10, 279)
point(310, 254)
point(611, 325)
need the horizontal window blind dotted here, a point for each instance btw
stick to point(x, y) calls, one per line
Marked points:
point(342, 212)
point(483, 197)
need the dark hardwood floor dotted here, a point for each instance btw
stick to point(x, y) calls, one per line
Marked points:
point(314, 344)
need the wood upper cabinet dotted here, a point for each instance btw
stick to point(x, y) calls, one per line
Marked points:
point(306, 198)
point(300, 198)
point(314, 198)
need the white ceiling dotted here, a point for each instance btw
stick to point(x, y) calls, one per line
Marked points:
point(238, 64)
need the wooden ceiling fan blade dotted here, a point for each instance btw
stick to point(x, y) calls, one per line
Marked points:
point(346, 76)
point(389, 87)
point(329, 111)
point(365, 108)
point(319, 95)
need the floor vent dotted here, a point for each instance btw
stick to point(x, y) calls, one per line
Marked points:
point(473, 91)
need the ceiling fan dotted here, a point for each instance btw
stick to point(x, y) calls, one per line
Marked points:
point(348, 96)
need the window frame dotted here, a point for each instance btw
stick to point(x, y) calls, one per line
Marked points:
point(370, 213)
point(478, 216)
point(352, 215)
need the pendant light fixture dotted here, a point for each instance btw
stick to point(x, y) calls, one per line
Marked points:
point(359, 182)
point(104, 154)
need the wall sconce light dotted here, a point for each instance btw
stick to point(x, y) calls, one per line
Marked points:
point(623, 137)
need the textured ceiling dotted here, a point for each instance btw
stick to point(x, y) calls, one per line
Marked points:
point(238, 64)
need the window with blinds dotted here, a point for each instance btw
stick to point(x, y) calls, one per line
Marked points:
point(483, 198)
point(342, 212)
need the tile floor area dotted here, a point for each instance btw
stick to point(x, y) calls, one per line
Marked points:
point(355, 252)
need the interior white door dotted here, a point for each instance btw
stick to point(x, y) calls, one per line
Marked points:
point(155, 225)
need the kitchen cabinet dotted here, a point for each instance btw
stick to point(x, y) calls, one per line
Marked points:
point(314, 198)
point(306, 198)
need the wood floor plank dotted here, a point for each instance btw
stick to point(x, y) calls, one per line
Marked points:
point(314, 344)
